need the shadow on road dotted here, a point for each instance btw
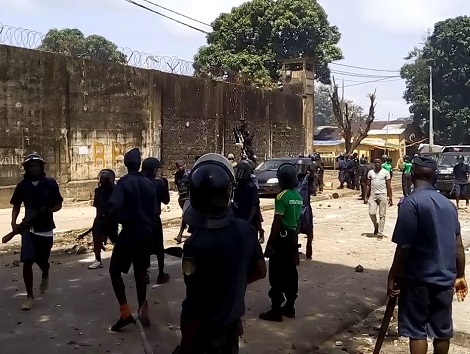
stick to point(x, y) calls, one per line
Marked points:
point(75, 315)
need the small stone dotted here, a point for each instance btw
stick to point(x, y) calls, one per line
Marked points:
point(359, 269)
point(338, 343)
point(18, 323)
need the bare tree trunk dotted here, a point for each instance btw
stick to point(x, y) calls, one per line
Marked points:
point(344, 116)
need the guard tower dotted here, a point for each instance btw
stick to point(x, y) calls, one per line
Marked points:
point(297, 78)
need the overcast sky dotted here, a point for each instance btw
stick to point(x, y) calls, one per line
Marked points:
point(376, 34)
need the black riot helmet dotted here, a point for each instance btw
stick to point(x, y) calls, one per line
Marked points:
point(460, 159)
point(211, 184)
point(287, 176)
point(363, 161)
point(407, 158)
point(33, 157)
point(151, 167)
point(302, 167)
point(243, 171)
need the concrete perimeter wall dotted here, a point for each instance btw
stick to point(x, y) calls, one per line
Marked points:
point(83, 115)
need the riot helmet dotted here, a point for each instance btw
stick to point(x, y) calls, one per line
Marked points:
point(460, 159)
point(363, 161)
point(287, 176)
point(33, 157)
point(302, 167)
point(151, 167)
point(407, 158)
point(33, 165)
point(211, 184)
point(243, 171)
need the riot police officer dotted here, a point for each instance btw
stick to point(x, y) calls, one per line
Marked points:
point(321, 171)
point(306, 222)
point(220, 258)
point(282, 247)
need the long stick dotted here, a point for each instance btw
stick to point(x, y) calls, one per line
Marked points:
point(143, 336)
point(385, 323)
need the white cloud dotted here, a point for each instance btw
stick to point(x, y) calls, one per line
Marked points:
point(409, 16)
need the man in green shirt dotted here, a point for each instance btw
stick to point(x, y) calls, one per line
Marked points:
point(406, 176)
point(387, 165)
point(282, 247)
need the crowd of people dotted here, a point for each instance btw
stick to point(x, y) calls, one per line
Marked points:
point(221, 209)
point(220, 203)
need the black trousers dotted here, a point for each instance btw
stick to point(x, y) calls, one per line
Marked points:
point(406, 184)
point(363, 189)
point(342, 176)
point(218, 339)
point(320, 180)
point(283, 275)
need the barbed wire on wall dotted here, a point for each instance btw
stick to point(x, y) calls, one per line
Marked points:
point(25, 38)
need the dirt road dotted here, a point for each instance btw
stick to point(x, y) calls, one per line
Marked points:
point(75, 315)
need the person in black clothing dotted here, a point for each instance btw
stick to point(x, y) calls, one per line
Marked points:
point(461, 178)
point(181, 183)
point(133, 204)
point(41, 198)
point(362, 172)
point(221, 257)
point(245, 199)
point(102, 226)
point(352, 166)
point(321, 168)
point(151, 168)
point(306, 222)
point(342, 167)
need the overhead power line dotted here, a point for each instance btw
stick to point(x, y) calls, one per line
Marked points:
point(347, 73)
point(166, 16)
point(372, 81)
point(368, 69)
point(177, 13)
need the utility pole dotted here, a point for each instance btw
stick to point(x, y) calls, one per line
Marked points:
point(386, 134)
point(431, 120)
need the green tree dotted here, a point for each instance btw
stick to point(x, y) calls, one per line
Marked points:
point(323, 110)
point(73, 42)
point(447, 52)
point(248, 44)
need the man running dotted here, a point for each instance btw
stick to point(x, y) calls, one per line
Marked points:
point(378, 192)
point(134, 203)
point(429, 263)
point(41, 198)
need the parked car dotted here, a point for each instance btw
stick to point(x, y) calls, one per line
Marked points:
point(266, 174)
point(445, 169)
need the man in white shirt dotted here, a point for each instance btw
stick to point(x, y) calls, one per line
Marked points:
point(378, 192)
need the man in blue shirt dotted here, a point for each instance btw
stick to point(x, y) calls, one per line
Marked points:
point(429, 263)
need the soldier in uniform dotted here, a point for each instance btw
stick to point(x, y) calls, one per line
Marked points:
point(133, 203)
point(306, 222)
point(321, 165)
point(362, 172)
point(151, 168)
point(220, 258)
point(342, 167)
point(282, 247)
